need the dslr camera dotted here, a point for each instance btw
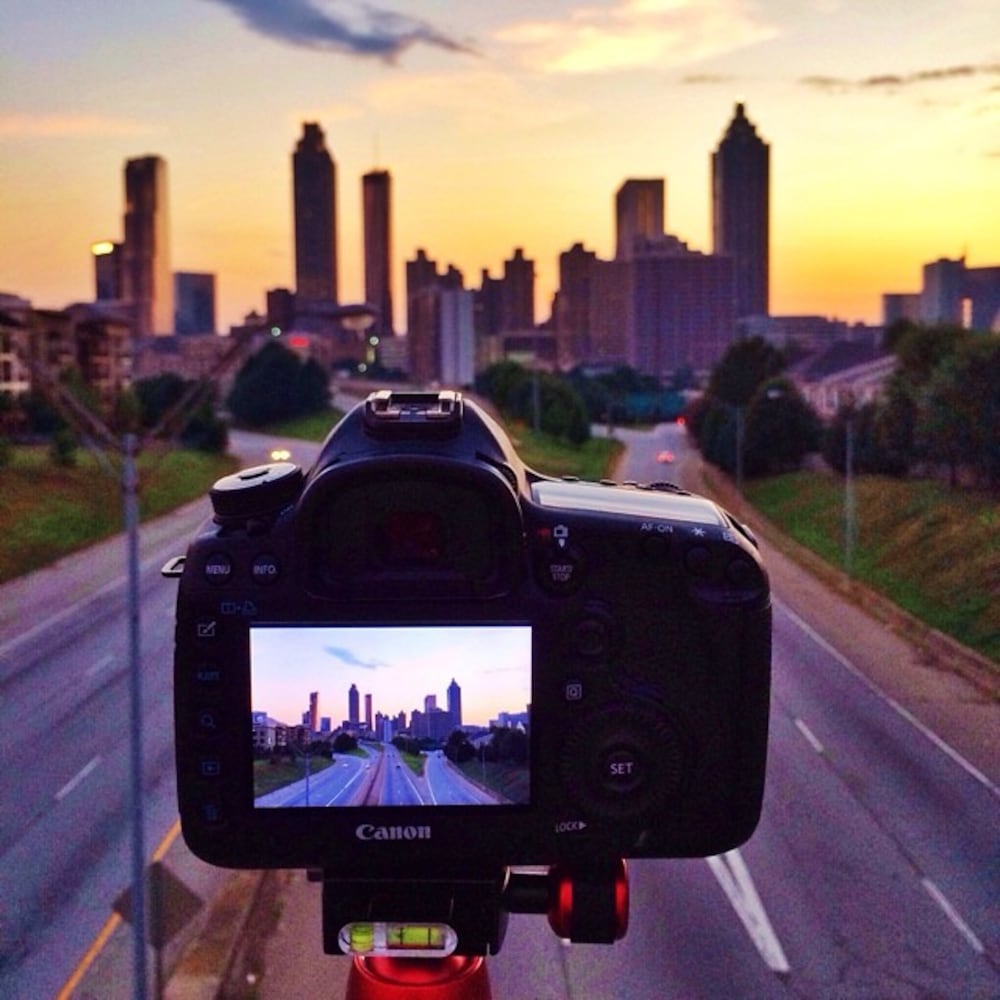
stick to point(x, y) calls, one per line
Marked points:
point(421, 661)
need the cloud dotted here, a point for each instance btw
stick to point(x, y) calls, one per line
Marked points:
point(356, 29)
point(637, 33)
point(346, 656)
point(896, 81)
point(61, 126)
point(482, 99)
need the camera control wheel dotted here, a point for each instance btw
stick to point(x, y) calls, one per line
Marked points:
point(622, 763)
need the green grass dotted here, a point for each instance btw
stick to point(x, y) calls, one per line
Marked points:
point(511, 782)
point(270, 775)
point(414, 761)
point(49, 511)
point(934, 552)
point(313, 427)
point(554, 457)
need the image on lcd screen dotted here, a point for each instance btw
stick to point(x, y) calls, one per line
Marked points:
point(390, 715)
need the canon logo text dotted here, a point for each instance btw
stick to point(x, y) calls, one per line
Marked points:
point(368, 832)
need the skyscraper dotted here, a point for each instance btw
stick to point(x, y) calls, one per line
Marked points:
point(517, 294)
point(194, 298)
point(314, 181)
point(639, 215)
point(353, 705)
point(147, 281)
point(455, 703)
point(376, 191)
point(741, 211)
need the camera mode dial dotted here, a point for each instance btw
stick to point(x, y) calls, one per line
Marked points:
point(258, 492)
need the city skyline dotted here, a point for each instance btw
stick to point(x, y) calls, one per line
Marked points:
point(399, 666)
point(503, 128)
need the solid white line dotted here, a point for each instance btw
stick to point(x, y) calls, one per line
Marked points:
point(905, 713)
point(733, 875)
point(809, 735)
point(77, 778)
point(952, 914)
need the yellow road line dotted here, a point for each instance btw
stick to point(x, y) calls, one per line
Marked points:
point(110, 925)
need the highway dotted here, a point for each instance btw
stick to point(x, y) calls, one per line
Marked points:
point(65, 812)
point(875, 871)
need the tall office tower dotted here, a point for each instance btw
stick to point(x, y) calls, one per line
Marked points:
point(314, 711)
point(368, 711)
point(353, 705)
point(314, 181)
point(376, 195)
point(147, 281)
point(571, 312)
point(455, 703)
point(194, 298)
point(517, 296)
point(640, 215)
point(741, 181)
point(107, 270)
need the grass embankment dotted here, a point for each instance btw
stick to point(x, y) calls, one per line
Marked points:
point(932, 551)
point(510, 782)
point(270, 775)
point(49, 511)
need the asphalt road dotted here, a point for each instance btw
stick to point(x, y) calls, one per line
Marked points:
point(65, 807)
point(875, 871)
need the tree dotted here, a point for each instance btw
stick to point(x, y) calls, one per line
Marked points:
point(458, 747)
point(781, 429)
point(746, 364)
point(274, 384)
point(959, 419)
point(344, 743)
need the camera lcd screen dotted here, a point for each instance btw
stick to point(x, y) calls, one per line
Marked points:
point(390, 715)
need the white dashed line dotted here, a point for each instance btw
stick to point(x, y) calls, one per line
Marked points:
point(809, 735)
point(77, 778)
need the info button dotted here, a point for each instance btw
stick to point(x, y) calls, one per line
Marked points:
point(265, 569)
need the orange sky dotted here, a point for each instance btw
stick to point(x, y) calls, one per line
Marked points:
point(503, 128)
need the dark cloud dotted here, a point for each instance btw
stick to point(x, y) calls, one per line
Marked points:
point(351, 28)
point(893, 81)
point(352, 660)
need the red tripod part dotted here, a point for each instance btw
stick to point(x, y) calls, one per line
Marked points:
point(589, 904)
point(458, 977)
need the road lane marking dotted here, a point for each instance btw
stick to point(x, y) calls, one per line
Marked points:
point(809, 735)
point(96, 668)
point(732, 874)
point(110, 925)
point(953, 915)
point(945, 748)
point(77, 778)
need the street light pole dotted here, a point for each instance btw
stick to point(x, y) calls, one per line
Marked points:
point(850, 511)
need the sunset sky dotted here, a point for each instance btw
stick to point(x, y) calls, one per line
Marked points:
point(504, 125)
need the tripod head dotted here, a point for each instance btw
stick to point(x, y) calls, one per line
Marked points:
point(438, 950)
